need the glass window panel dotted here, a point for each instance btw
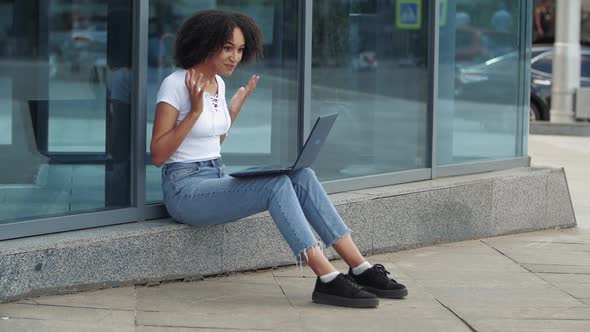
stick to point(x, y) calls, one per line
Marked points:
point(266, 130)
point(5, 111)
point(369, 63)
point(480, 76)
point(64, 107)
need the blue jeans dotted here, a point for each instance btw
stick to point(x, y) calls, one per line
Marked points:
point(200, 193)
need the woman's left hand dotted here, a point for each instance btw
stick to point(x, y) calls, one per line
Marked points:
point(238, 100)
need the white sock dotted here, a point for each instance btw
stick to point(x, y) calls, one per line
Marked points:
point(326, 278)
point(361, 268)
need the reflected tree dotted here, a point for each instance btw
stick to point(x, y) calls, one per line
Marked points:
point(330, 33)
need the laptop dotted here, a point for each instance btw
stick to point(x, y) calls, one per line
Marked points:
point(309, 153)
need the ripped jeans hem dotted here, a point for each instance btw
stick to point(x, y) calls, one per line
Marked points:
point(303, 252)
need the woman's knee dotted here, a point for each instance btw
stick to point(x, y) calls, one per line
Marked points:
point(280, 182)
point(303, 174)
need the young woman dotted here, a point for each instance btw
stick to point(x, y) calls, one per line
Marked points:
point(193, 119)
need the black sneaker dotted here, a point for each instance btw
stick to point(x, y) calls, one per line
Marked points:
point(343, 292)
point(376, 281)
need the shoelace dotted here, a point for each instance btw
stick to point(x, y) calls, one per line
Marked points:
point(381, 268)
point(383, 271)
point(353, 282)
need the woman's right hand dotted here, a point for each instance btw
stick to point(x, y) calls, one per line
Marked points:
point(195, 86)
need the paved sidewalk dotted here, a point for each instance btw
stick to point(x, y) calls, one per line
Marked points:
point(529, 282)
point(537, 281)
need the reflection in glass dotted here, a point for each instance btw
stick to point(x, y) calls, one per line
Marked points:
point(266, 130)
point(479, 80)
point(5, 111)
point(65, 102)
point(370, 65)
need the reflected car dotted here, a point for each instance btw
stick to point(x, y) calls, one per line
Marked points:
point(487, 82)
point(366, 60)
point(81, 53)
point(542, 77)
point(493, 80)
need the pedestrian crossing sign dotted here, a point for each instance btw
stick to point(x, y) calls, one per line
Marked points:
point(409, 14)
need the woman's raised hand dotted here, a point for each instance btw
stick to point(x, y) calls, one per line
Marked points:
point(238, 100)
point(196, 88)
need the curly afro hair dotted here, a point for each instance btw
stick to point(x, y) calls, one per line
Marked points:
point(205, 33)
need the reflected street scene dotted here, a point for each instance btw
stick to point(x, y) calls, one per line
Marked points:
point(480, 89)
point(64, 107)
point(66, 92)
point(369, 63)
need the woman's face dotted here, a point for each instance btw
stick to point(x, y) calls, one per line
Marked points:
point(226, 60)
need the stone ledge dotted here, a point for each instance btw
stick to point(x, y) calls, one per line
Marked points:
point(382, 219)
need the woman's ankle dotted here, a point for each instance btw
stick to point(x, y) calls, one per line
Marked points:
point(318, 262)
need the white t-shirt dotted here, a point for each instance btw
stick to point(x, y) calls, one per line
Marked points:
point(202, 142)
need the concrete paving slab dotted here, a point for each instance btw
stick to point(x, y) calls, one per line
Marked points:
point(427, 264)
point(378, 321)
point(581, 234)
point(474, 313)
point(569, 235)
point(558, 278)
point(526, 325)
point(255, 319)
point(555, 268)
point(184, 329)
point(472, 248)
point(418, 312)
point(504, 295)
point(29, 325)
point(122, 298)
point(210, 295)
point(547, 253)
point(485, 288)
point(522, 280)
point(54, 316)
point(579, 291)
point(217, 305)
point(453, 275)
point(461, 267)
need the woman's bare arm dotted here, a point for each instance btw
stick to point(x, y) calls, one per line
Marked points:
point(538, 12)
point(166, 135)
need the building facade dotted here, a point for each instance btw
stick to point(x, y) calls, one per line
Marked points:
point(424, 89)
